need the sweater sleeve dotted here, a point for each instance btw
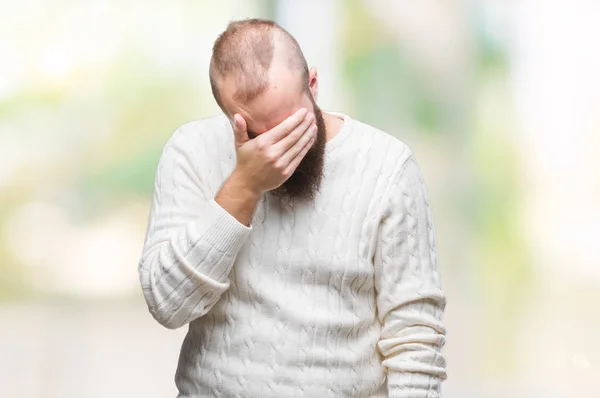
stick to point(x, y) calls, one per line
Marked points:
point(191, 241)
point(410, 299)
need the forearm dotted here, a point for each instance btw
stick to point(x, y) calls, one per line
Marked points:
point(411, 343)
point(239, 198)
point(183, 277)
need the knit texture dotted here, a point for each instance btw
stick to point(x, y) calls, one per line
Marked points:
point(339, 297)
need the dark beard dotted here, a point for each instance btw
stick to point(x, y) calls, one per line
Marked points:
point(303, 185)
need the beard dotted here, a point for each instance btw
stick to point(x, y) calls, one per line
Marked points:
point(303, 185)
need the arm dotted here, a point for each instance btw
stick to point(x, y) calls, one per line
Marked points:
point(239, 199)
point(192, 241)
point(410, 299)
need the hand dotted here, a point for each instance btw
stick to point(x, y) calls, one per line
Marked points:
point(267, 161)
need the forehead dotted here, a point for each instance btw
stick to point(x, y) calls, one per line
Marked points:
point(271, 108)
point(282, 97)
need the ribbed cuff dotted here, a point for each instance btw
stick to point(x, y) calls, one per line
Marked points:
point(413, 385)
point(226, 233)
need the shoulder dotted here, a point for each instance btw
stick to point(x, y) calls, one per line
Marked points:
point(395, 160)
point(209, 136)
point(198, 144)
point(385, 147)
point(197, 154)
point(210, 130)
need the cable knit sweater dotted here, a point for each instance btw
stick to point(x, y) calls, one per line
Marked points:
point(340, 297)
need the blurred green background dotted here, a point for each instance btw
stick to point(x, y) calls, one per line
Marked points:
point(500, 101)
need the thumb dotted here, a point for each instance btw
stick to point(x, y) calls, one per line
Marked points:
point(240, 129)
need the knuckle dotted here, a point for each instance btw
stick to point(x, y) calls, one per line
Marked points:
point(271, 158)
point(261, 145)
point(279, 166)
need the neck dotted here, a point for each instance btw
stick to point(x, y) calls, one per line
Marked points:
point(333, 124)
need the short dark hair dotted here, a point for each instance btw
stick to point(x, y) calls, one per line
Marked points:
point(246, 49)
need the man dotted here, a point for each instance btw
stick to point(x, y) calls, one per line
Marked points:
point(299, 248)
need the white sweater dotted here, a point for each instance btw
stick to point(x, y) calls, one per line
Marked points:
point(338, 298)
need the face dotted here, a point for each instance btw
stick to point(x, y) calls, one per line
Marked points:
point(279, 101)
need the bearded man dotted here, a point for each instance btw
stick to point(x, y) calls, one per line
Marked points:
point(297, 245)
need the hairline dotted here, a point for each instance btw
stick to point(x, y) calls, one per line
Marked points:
point(277, 35)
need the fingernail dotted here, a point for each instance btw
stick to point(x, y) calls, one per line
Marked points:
point(311, 116)
point(303, 111)
point(314, 127)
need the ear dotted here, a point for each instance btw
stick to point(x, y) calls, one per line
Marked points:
point(313, 83)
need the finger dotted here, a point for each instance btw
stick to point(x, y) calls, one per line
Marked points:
point(306, 135)
point(292, 166)
point(296, 134)
point(240, 131)
point(282, 129)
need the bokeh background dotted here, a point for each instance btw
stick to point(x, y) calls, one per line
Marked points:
point(499, 99)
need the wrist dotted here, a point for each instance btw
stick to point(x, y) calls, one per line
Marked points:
point(243, 185)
